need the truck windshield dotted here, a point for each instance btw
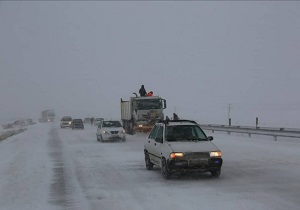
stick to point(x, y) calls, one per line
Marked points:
point(149, 104)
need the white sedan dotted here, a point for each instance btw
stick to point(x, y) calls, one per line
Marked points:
point(110, 130)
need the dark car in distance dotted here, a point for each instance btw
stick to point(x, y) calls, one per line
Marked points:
point(77, 124)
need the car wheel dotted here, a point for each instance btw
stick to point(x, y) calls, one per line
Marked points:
point(216, 173)
point(97, 138)
point(149, 164)
point(165, 169)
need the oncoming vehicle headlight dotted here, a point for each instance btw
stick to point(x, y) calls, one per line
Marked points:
point(140, 126)
point(105, 132)
point(123, 131)
point(70, 123)
point(174, 155)
point(215, 154)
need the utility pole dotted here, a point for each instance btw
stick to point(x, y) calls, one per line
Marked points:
point(229, 107)
point(229, 119)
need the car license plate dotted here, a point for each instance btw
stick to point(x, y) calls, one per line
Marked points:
point(197, 161)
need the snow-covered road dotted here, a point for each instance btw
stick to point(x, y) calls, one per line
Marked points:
point(51, 168)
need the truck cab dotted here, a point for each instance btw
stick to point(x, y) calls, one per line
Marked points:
point(140, 114)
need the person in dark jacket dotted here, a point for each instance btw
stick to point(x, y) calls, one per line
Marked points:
point(142, 91)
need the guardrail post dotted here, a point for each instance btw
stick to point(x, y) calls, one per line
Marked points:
point(275, 138)
point(249, 134)
point(228, 132)
point(212, 131)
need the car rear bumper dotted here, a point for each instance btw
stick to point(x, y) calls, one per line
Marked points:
point(78, 127)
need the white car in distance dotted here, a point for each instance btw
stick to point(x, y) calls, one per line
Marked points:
point(110, 130)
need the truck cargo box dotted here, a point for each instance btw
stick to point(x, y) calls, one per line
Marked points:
point(125, 110)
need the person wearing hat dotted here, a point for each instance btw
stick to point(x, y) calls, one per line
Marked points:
point(142, 91)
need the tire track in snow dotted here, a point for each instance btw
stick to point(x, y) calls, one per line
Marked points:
point(64, 190)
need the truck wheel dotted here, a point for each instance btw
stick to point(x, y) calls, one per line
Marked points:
point(165, 169)
point(216, 173)
point(149, 164)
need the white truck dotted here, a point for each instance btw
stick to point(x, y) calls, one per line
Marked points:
point(47, 116)
point(140, 114)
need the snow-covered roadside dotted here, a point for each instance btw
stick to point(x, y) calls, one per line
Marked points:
point(25, 170)
point(6, 134)
point(10, 129)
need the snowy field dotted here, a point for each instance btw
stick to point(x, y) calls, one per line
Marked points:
point(51, 168)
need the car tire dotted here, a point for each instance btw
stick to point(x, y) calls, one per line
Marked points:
point(97, 137)
point(149, 164)
point(165, 169)
point(216, 173)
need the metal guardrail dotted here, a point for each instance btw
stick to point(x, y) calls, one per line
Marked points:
point(269, 131)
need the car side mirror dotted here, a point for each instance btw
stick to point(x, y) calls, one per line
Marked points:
point(210, 138)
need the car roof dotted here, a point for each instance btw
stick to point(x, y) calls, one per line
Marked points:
point(178, 122)
point(67, 117)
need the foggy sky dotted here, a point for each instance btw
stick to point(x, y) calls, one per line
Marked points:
point(80, 58)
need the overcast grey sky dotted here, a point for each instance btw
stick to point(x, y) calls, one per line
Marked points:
point(79, 58)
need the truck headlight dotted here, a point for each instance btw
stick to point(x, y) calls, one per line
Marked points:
point(174, 155)
point(215, 154)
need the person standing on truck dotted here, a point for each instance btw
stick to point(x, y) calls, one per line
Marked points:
point(142, 91)
point(150, 93)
